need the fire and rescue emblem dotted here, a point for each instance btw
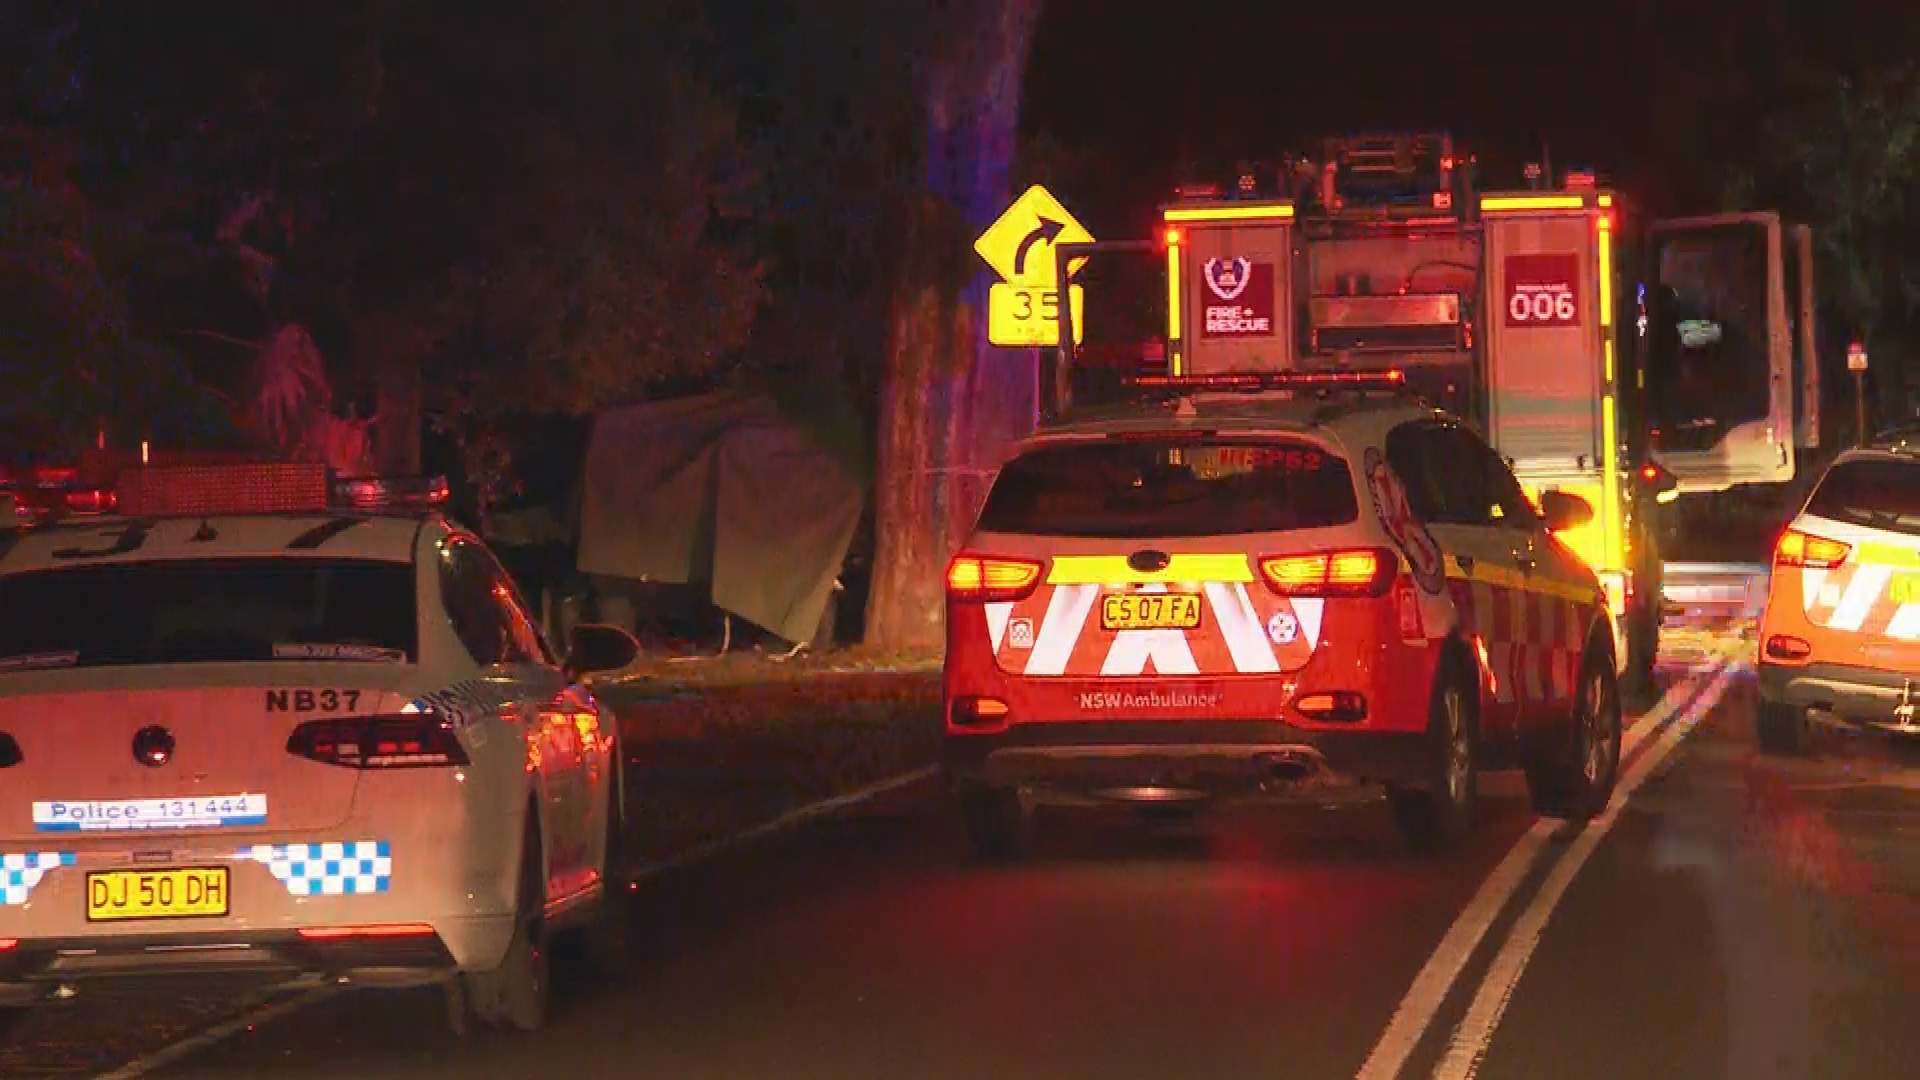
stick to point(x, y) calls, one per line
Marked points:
point(1408, 532)
point(1228, 278)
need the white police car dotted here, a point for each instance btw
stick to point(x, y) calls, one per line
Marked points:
point(258, 721)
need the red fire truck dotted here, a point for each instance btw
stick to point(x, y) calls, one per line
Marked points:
point(1626, 361)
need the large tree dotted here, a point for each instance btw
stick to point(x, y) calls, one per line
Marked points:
point(946, 410)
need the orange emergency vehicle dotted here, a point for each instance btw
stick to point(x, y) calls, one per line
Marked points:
point(1841, 633)
point(1518, 311)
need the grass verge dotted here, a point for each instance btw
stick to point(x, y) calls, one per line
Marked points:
point(708, 761)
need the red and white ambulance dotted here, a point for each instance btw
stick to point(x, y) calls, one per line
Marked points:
point(1254, 586)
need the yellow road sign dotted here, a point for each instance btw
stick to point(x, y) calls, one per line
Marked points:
point(1023, 315)
point(1019, 246)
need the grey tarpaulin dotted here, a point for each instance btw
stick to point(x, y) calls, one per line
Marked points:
point(720, 489)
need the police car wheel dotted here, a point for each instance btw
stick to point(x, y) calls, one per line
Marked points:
point(1439, 816)
point(1574, 775)
point(998, 825)
point(1782, 729)
point(515, 994)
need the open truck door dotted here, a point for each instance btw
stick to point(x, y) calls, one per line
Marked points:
point(1729, 375)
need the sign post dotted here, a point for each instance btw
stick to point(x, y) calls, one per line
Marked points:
point(1857, 363)
point(1023, 307)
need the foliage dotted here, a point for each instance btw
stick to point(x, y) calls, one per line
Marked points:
point(529, 208)
point(1854, 151)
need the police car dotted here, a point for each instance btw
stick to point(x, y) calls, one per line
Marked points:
point(1258, 586)
point(258, 721)
point(1841, 631)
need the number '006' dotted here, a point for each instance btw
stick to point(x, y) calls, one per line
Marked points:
point(1541, 307)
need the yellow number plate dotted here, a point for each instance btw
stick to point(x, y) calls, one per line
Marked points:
point(157, 894)
point(1150, 611)
point(1906, 589)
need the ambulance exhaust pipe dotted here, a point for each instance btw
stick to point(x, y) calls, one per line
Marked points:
point(1290, 767)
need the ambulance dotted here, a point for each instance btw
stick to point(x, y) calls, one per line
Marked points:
point(1841, 634)
point(1519, 311)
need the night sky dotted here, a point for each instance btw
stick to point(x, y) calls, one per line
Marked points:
point(1188, 88)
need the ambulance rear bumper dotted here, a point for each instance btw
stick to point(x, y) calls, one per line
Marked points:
point(1148, 761)
point(1861, 696)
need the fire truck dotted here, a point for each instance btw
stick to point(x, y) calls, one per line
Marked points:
point(1625, 361)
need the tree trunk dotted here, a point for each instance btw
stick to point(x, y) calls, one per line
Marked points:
point(948, 403)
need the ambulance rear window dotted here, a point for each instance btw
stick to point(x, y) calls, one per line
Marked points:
point(1881, 494)
point(208, 611)
point(1173, 486)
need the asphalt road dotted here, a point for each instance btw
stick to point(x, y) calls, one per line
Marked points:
point(1731, 916)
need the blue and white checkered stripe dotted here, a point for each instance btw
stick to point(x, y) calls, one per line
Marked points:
point(354, 868)
point(20, 873)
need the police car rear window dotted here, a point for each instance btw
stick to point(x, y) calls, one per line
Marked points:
point(1877, 493)
point(208, 611)
point(1176, 486)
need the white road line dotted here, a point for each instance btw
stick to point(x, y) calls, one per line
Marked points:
point(1435, 980)
point(220, 1032)
point(1475, 1033)
point(788, 820)
point(226, 1029)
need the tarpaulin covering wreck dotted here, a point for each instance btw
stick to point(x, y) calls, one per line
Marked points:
point(726, 491)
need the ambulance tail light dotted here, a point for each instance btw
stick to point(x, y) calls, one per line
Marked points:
point(403, 741)
point(1810, 552)
point(1357, 573)
point(985, 578)
point(1788, 647)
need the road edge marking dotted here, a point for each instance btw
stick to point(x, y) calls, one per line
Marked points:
point(799, 815)
point(250, 1016)
point(1474, 1037)
point(1434, 983)
point(220, 1032)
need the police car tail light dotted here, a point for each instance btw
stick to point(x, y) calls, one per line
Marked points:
point(406, 741)
point(1812, 552)
point(378, 930)
point(7, 943)
point(1360, 572)
point(984, 578)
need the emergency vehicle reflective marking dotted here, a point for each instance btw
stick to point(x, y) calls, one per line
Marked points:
point(356, 868)
point(1113, 570)
point(1060, 628)
point(1531, 636)
point(997, 615)
point(1247, 640)
point(1246, 643)
point(199, 812)
point(1270, 212)
point(1497, 203)
point(20, 872)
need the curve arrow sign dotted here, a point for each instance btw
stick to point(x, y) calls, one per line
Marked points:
point(1048, 230)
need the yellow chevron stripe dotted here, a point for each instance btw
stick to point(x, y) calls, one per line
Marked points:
point(1181, 567)
point(1505, 578)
